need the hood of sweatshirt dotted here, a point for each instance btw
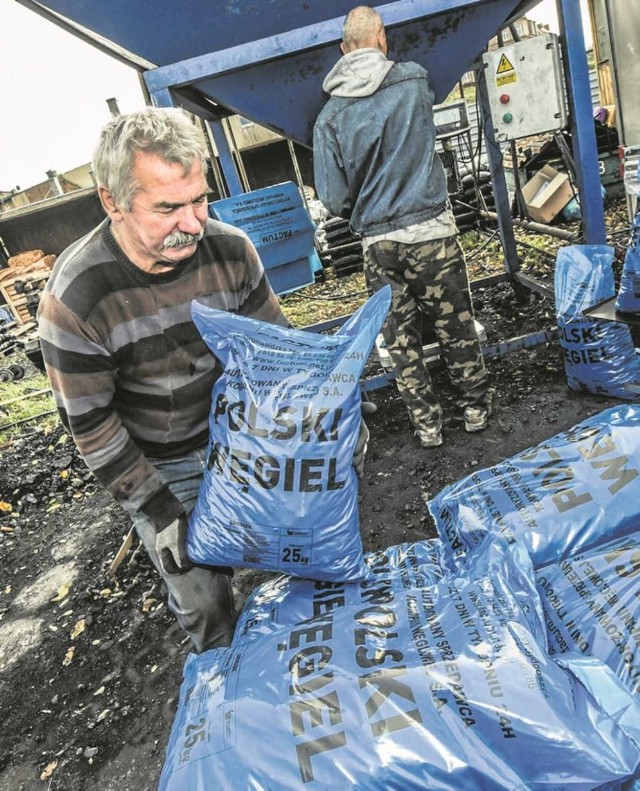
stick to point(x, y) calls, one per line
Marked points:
point(358, 73)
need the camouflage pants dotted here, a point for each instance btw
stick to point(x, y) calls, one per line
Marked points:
point(429, 283)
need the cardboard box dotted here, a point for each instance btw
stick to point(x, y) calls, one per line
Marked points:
point(546, 194)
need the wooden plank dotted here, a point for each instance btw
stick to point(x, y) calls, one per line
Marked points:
point(17, 302)
point(34, 271)
point(605, 84)
point(25, 396)
point(33, 277)
point(122, 552)
point(30, 326)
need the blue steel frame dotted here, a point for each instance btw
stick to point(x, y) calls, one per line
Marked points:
point(585, 147)
point(448, 45)
point(192, 70)
point(164, 86)
point(582, 128)
point(492, 350)
point(307, 54)
point(499, 182)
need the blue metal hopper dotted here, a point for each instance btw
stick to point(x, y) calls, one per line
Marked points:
point(266, 60)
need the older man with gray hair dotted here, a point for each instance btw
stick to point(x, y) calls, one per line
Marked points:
point(129, 371)
point(375, 164)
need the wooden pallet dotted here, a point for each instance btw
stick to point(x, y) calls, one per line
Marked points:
point(17, 302)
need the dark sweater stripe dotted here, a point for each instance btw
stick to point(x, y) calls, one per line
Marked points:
point(169, 450)
point(74, 362)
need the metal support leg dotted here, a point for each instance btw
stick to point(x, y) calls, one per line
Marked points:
point(516, 179)
point(500, 191)
point(163, 97)
point(225, 156)
point(585, 148)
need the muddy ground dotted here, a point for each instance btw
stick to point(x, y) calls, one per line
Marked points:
point(90, 666)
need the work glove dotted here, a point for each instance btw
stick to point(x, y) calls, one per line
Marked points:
point(171, 547)
point(360, 450)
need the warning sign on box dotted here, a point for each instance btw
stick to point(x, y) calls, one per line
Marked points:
point(504, 65)
point(505, 72)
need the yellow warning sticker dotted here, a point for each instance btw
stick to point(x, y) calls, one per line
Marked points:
point(505, 79)
point(504, 64)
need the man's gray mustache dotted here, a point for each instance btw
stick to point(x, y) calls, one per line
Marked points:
point(180, 239)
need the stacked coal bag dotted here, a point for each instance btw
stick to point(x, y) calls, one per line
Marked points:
point(572, 503)
point(426, 674)
point(599, 355)
point(559, 498)
point(501, 655)
point(628, 298)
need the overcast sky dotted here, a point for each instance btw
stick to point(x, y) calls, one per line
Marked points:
point(54, 90)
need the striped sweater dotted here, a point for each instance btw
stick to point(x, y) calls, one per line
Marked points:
point(130, 374)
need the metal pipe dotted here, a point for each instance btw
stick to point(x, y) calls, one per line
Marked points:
point(498, 180)
point(344, 248)
point(237, 154)
point(568, 236)
point(27, 419)
point(25, 396)
point(225, 157)
point(301, 186)
point(583, 136)
point(494, 350)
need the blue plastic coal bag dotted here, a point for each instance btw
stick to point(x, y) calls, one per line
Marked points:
point(279, 491)
point(599, 355)
point(628, 299)
point(420, 676)
point(592, 604)
point(576, 490)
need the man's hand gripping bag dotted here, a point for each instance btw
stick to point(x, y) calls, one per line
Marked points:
point(279, 490)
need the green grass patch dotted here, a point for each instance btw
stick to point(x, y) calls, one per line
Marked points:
point(23, 404)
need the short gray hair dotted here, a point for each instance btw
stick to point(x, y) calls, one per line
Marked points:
point(361, 27)
point(168, 132)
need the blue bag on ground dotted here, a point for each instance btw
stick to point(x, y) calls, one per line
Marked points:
point(628, 299)
point(279, 491)
point(421, 676)
point(599, 355)
point(577, 489)
point(592, 604)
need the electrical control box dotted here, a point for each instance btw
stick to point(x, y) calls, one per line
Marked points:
point(526, 87)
